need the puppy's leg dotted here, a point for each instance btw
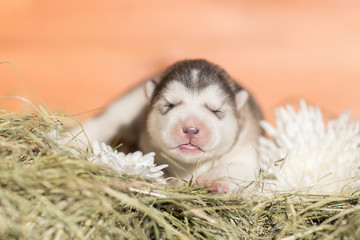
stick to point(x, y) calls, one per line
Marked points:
point(234, 172)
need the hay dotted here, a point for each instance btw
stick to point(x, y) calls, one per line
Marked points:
point(47, 192)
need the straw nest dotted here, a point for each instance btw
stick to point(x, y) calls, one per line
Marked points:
point(47, 192)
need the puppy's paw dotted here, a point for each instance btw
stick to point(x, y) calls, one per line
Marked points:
point(212, 184)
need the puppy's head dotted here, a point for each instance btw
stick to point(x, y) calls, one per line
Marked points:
point(193, 111)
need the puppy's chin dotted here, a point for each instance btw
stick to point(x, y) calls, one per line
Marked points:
point(187, 154)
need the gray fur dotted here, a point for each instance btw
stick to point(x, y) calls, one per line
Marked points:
point(208, 74)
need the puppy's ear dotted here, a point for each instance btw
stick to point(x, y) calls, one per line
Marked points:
point(241, 98)
point(150, 86)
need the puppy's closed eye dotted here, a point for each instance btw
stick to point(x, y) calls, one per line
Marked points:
point(216, 111)
point(164, 109)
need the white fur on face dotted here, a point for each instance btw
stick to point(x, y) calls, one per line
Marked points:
point(194, 75)
point(189, 125)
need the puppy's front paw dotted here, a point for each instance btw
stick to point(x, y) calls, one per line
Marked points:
point(212, 184)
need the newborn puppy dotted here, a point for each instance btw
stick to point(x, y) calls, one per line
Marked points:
point(196, 115)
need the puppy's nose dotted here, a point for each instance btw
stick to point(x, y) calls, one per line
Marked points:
point(191, 131)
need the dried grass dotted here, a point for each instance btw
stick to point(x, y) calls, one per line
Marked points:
point(47, 192)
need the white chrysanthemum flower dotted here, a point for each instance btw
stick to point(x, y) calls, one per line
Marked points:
point(131, 164)
point(306, 156)
point(61, 140)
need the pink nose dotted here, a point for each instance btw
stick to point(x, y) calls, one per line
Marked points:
point(191, 131)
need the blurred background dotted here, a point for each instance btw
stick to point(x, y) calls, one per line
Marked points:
point(81, 55)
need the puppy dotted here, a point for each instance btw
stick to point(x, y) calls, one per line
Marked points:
point(193, 113)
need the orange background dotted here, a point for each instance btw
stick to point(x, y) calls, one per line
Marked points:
point(80, 55)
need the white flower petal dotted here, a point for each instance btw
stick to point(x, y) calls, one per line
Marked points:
point(158, 168)
point(131, 164)
point(326, 159)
